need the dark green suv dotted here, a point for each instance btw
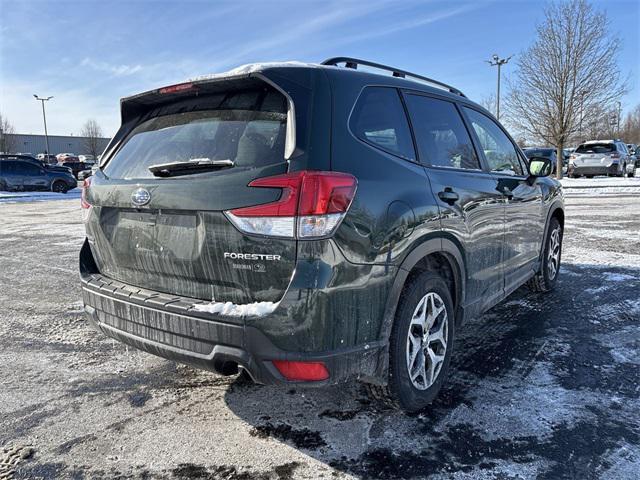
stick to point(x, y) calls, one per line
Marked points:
point(313, 224)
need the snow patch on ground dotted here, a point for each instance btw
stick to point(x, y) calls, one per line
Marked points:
point(600, 186)
point(18, 197)
point(600, 182)
point(617, 277)
point(229, 309)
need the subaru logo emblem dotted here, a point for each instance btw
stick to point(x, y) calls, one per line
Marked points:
point(140, 197)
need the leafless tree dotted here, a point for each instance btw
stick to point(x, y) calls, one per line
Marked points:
point(631, 126)
point(567, 77)
point(92, 133)
point(489, 102)
point(7, 140)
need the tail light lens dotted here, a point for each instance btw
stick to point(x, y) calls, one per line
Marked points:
point(614, 155)
point(312, 205)
point(302, 371)
point(83, 197)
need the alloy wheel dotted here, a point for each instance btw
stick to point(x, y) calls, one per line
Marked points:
point(427, 341)
point(553, 254)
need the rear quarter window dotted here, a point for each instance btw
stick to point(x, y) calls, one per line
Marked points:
point(379, 119)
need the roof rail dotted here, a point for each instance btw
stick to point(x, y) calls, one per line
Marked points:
point(396, 72)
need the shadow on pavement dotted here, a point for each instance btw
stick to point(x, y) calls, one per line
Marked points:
point(541, 385)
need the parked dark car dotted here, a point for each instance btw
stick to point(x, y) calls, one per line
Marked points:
point(84, 174)
point(77, 167)
point(27, 174)
point(546, 152)
point(313, 224)
point(37, 161)
point(47, 158)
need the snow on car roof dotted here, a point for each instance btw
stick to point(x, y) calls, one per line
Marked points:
point(253, 67)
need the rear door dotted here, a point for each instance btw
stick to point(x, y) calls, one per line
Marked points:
point(524, 214)
point(169, 233)
point(34, 177)
point(471, 207)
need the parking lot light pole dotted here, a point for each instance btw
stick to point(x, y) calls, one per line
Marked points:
point(496, 61)
point(44, 117)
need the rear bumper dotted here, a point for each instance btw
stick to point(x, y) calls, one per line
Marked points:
point(593, 169)
point(170, 327)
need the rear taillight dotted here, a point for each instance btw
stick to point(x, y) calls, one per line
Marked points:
point(83, 197)
point(614, 155)
point(312, 205)
point(302, 371)
point(180, 87)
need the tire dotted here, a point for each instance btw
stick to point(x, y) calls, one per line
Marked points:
point(59, 187)
point(589, 176)
point(545, 280)
point(430, 363)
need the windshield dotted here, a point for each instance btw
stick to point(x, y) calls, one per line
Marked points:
point(247, 137)
point(596, 148)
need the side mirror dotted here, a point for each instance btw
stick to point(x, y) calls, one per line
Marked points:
point(539, 167)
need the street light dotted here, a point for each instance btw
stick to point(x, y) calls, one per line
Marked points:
point(496, 61)
point(44, 116)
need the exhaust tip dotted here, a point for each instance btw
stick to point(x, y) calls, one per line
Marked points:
point(226, 367)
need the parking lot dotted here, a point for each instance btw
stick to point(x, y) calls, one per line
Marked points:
point(544, 386)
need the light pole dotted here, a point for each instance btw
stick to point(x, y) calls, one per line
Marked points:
point(619, 114)
point(496, 61)
point(44, 117)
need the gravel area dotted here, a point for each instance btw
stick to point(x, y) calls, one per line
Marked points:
point(542, 386)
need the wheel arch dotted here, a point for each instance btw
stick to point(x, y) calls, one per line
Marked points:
point(555, 211)
point(441, 251)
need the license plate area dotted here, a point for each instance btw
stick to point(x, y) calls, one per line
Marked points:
point(155, 234)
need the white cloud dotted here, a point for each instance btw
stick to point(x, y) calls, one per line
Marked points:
point(115, 70)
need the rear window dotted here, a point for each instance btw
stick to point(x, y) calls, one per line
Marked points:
point(596, 148)
point(379, 119)
point(547, 153)
point(248, 129)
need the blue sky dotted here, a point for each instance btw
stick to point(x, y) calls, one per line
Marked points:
point(89, 54)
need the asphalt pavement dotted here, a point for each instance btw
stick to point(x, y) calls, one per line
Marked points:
point(542, 386)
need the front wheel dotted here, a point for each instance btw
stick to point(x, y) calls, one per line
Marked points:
point(59, 187)
point(420, 344)
point(545, 280)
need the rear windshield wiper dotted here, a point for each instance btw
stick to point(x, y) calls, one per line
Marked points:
point(196, 165)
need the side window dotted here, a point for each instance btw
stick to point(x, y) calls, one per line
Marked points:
point(379, 119)
point(31, 170)
point(7, 167)
point(442, 138)
point(498, 149)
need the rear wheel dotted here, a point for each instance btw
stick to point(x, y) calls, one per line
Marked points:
point(59, 187)
point(420, 345)
point(545, 280)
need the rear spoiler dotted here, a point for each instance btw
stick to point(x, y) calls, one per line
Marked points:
point(132, 108)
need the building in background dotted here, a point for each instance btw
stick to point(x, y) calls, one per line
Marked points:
point(35, 144)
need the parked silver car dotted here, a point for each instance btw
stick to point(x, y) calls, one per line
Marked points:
point(600, 157)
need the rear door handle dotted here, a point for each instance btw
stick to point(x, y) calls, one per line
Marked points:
point(449, 196)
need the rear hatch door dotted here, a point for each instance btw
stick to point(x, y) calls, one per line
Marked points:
point(167, 231)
